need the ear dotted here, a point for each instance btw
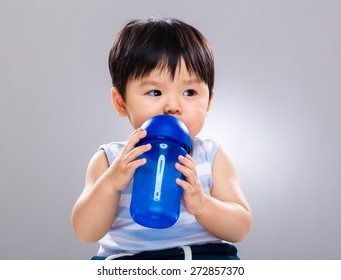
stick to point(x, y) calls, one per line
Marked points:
point(118, 103)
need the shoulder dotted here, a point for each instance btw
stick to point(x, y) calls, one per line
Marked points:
point(98, 164)
point(225, 177)
point(220, 159)
point(101, 161)
point(223, 160)
point(111, 150)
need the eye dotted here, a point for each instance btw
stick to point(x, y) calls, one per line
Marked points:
point(154, 92)
point(189, 92)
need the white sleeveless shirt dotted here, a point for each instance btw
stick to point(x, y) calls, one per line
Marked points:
point(126, 236)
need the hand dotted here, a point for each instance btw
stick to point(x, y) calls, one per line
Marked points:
point(193, 194)
point(123, 168)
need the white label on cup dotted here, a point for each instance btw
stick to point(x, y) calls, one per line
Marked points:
point(159, 177)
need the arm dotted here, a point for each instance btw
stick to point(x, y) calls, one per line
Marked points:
point(95, 210)
point(225, 213)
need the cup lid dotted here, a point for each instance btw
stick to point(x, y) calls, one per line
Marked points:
point(168, 126)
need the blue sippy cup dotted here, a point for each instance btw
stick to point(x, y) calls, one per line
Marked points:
point(156, 197)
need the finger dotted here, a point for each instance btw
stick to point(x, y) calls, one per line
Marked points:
point(136, 152)
point(135, 137)
point(188, 173)
point(187, 187)
point(190, 158)
point(134, 132)
point(132, 166)
point(188, 162)
point(129, 163)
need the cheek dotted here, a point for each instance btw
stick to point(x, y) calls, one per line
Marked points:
point(139, 117)
point(135, 116)
point(196, 124)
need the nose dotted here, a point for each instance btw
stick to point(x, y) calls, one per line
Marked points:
point(172, 106)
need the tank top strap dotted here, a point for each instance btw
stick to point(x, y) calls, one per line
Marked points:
point(112, 150)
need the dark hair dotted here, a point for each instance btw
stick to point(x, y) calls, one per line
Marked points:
point(143, 45)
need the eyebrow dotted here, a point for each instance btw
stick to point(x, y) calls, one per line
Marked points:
point(192, 81)
point(157, 83)
point(149, 82)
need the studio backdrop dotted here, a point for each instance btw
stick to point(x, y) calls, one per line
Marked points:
point(276, 110)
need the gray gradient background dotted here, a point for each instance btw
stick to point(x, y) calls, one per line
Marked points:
point(276, 110)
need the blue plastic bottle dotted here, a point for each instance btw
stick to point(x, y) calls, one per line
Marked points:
point(156, 197)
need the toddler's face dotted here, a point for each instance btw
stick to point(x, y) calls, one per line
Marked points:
point(185, 97)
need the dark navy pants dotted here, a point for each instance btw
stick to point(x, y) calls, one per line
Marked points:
point(221, 251)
